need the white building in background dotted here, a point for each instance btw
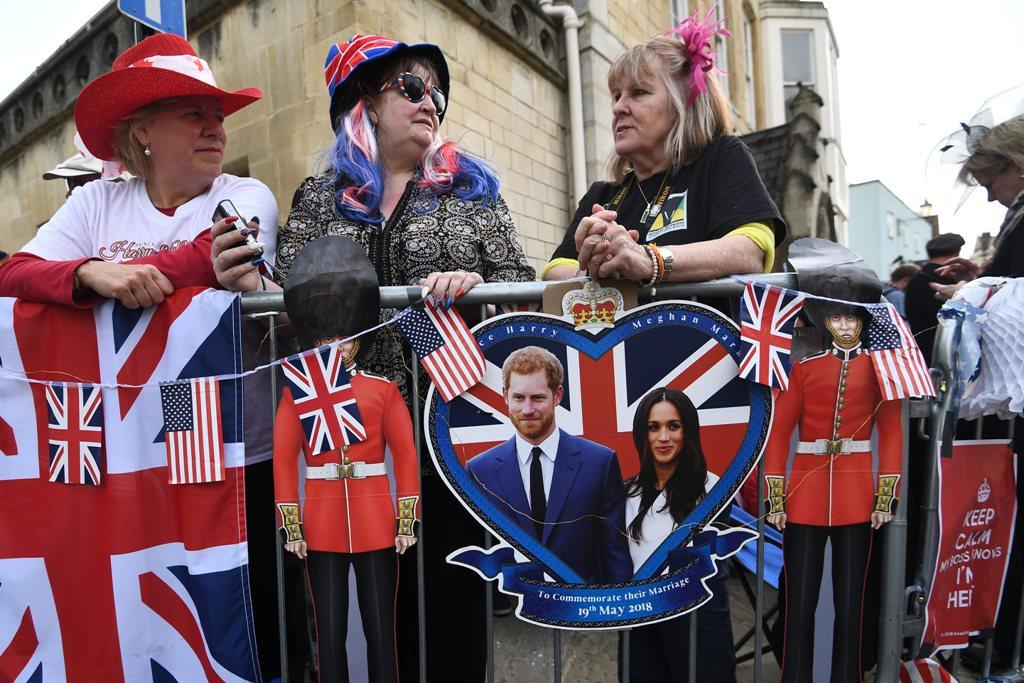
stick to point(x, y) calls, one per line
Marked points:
point(797, 45)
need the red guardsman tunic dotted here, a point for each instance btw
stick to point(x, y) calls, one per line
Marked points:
point(350, 515)
point(831, 396)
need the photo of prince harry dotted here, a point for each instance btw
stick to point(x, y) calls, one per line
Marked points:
point(564, 490)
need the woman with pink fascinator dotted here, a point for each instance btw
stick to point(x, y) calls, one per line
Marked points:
point(685, 201)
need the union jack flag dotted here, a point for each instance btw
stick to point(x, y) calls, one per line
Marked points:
point(342, 58)
point(601, 394)
point(767, 316)
point(74, 430)
point(322, 392)
point(899, 365)
point(134, 579)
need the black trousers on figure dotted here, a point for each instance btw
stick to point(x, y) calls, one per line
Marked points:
point(455, 596)
point(376, 584)
point(803, 549)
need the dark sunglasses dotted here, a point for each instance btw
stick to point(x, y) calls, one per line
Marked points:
point(413, 87)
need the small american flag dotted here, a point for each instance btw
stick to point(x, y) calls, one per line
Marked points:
point(193, 432)
point(322, 391)
point(74, 432)
point(445, 346)
point(767, 316)
point(899, 365)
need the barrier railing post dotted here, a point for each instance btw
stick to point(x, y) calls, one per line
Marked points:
point(488, 586)
point(890, 631)
point(692, 616)
point(556, 645)
point(421, 605)
point(282, 614)
point(625, 656)
point(759, 587)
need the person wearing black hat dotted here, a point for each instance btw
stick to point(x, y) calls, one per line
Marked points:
point(921, 305)
point(430, 214)
point(349, 518)
point(831, 493)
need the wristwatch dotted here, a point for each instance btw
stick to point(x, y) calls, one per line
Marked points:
point(669, 259)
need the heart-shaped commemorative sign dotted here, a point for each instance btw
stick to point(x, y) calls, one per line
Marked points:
point(563, 575)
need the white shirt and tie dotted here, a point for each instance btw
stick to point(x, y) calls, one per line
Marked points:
point(524, 451)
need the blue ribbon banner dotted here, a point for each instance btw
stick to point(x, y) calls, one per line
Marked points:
point(682, 589)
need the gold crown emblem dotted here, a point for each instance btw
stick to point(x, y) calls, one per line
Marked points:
point(593, 306)
point(984, 491)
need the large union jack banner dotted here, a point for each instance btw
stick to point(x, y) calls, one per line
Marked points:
point(131, 579)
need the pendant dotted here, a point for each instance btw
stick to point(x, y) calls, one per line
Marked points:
point(653, 211)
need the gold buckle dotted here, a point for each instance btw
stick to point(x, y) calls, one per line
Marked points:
point(834, 446)
point(348, 471)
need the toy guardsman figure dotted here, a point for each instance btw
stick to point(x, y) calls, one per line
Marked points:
point(346, 516)
point(831, 493)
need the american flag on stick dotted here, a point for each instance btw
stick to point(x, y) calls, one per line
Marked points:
point(193, 432)
point(767, 316)
point(446, 348)
point(899, 365)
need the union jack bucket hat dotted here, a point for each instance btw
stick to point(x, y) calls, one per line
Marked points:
point(348, 64)
point(159, 67)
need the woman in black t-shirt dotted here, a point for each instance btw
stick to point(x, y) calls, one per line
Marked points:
point(685, 201)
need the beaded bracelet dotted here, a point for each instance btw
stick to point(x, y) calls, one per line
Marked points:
point(656, 271)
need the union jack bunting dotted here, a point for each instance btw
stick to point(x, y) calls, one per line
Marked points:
point(74, 431)
point(193, 433)
point(445, 346)
point(322, 392)
point(899, 365)
point(767, 316)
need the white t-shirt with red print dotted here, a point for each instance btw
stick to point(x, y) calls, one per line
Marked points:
point(118, 222)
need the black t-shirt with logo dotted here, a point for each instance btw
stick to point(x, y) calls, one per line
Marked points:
point(703, 201)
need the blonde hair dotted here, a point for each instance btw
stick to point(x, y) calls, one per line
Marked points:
point(130, 152)
point(531, 359)
point(995, 151)
point(663, 57)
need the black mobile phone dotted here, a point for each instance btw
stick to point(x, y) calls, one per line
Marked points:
point(227, 208)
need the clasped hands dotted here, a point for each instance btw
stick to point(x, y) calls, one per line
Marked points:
point(608, 250)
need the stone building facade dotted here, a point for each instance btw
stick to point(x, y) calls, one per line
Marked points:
point(509, 92)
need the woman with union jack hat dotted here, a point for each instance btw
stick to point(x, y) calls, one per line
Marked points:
point(427, 213)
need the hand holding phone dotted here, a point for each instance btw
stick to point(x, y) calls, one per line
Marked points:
point(227, 208)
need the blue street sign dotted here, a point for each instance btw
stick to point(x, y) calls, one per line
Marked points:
point(167, 16)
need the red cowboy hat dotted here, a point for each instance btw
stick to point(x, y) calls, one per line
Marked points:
point(161, 66)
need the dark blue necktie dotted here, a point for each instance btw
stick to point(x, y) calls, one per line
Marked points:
point(538, 503)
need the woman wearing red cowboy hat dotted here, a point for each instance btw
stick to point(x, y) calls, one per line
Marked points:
point(160, 113)
point(425, 212)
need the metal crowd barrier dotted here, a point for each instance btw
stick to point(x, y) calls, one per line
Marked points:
point(898, 623)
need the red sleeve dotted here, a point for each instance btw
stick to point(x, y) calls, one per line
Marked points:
point(187, 266)
point(889, 421)
point(399, 438)
point(29, 277)
point(788, 406)
point(287, 450)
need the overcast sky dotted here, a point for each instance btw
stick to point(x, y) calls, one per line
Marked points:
point(909, 72)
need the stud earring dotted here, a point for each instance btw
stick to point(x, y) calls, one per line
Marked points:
point(146, 152)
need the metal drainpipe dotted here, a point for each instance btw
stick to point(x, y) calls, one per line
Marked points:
point(570, 25)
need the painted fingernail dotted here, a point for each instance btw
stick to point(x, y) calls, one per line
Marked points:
point(438, 300)
point(459, 292)
point(230, 219)
point(255, 219)
point(424, 292)
point(449, 301)
point(416, 278)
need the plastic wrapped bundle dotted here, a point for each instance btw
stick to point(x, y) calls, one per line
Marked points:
point(998, 388)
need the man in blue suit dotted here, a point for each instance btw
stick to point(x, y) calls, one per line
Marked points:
point(562, 489)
